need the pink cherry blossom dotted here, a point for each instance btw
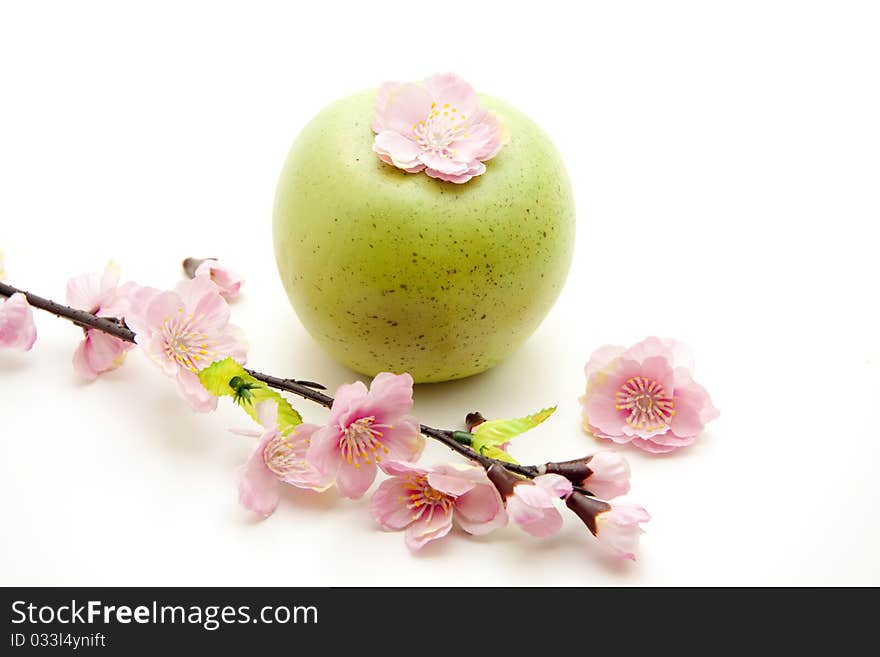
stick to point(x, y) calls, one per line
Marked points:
point(278, 459)
point(425, 500)
point(101, 295)
point(616, 526)
point(438, 128)
point(531, 503)
point(184, 331)
point(17, 329)
point(227, 281)
point(605, 474)
point(364, 427)
point(645, 395)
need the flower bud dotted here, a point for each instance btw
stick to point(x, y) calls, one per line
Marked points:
point(616, 526)
point(605, 474)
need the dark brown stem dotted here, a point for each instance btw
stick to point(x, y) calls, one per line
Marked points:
point(304, 389)
point(79, 317)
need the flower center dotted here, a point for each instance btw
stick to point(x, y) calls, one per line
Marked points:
point(647, 402)
point(443, 127)
point(422, 497)
point(185, 344)
point(360, 440)
point(283, 457)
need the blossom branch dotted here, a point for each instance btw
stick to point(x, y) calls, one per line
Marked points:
point(305, 389)
point(197, 338)
point(79, 317)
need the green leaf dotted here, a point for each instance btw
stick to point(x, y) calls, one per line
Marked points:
point(498, 454)
point(492, 433)
point(226, 378)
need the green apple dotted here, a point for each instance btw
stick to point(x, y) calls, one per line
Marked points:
point(400, 272)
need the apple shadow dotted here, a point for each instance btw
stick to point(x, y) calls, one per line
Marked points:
point(517, 382)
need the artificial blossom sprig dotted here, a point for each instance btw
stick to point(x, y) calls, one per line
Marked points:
point(186, 332)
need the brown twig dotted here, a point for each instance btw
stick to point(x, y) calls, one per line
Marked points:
point(305, 389)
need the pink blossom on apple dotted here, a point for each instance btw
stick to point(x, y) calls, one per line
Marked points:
point(438, 128)
point(185, 330)
point(100, 295)
point(617, 526)
point(17, 329)
point(424, 501)
point(364, 427)
point(645, 395)
point(277, 459)
point(531, 502)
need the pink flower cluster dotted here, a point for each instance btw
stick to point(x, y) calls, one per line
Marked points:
point(185, 330)
point(645, 395)
point(182, 330)
point(364, 427)
point(369, 429)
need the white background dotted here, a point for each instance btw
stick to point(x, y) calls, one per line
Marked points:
point(726, 165)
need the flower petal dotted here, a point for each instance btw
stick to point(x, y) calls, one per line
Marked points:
point(533, 495)
point(400, 106)
point(474, 169)
point(403, 439)
point(540, 522)
point(84, 292)
point(17, 329)
point(401, 468)
point(389, 504)
point(347, 396)
point(267, 414)
point(480, 510)
point(257, 485)
point(693, 408)
point(203, 300)
point(99, 353)
point(194, 392)
point(227, 281)
point(444, 165)
point(449, 484)
point(450, 88)
point(390, 397)
point(649, 348)
point(353, 481)
point(619, 528)
point(323, 452)
point(650, 446)
point(556, 485)
point(434, 523)
point(393, 148)
point(610, 475)
point(602, 358)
